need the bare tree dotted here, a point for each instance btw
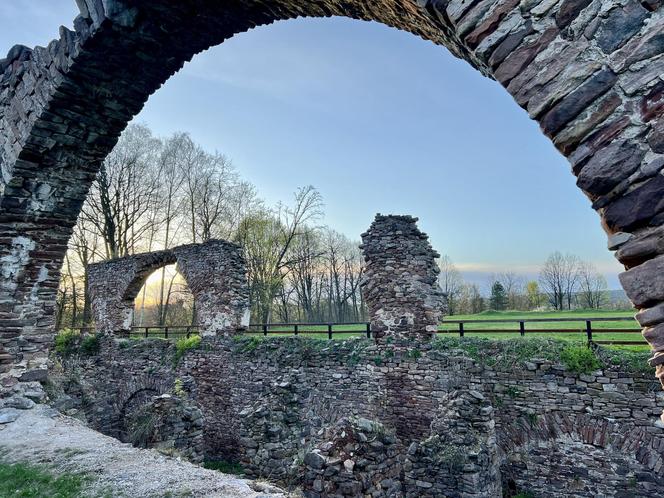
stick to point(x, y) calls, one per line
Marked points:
point(451, 282)
point(267, 238)
point(169, 202)
point(305, 275)
point(559, 278)
point(592, 287)
point(344, 267)
point(470, 299)
point(124, 192)
point(513, 285)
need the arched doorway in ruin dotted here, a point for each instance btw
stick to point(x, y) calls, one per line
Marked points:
point(214, 272)
point(588, 72)
point(164, 299)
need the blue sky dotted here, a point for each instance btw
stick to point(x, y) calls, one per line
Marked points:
point(378, 121)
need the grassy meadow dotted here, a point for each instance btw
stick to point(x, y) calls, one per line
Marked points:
point(573, 328)
point(488, 324)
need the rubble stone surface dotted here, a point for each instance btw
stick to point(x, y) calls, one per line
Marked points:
point(400, 280)
point(338, 418)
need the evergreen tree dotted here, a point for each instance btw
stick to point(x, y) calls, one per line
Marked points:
point(498, 298)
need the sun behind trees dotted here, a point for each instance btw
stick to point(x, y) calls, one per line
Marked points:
point(153, 193)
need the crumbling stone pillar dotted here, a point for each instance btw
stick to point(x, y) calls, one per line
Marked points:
point(400, 284)
point(217, 276)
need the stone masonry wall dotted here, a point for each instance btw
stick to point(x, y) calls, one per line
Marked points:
point(400, 280)
point(215, 272)
point(294, 410)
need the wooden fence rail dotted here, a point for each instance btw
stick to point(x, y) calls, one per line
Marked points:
point(462, 328)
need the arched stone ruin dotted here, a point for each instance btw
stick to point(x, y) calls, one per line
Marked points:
point(215, 272)
point(400, 282)
point(589, 71)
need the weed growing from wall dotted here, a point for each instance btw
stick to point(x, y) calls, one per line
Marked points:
point(184, 345)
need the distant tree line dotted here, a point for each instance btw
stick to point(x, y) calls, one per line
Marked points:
point(155, 193)
point(565, 282)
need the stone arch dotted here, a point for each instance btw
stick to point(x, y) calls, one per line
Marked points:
point(215, 272)
point(136, 401)
point(129, 397)
point(113, 286)
point(587, 70)
point(558, 451)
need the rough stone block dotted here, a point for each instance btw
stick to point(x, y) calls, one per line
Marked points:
point(644, 284)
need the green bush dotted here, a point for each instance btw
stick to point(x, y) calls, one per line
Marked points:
point(90, 345)
point(184, 345)
point(66, 341)
point(579, 359)
point(69, 342)
point(631, 361)
point(225, 467)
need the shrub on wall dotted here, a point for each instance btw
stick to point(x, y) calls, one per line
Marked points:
point(579, 359)
point(69, 342)
point(90, 345)
point(66, 341)
point(184, 345)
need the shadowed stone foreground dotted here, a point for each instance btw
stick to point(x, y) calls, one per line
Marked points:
point(41, 435)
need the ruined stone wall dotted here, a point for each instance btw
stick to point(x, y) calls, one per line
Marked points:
point(280, 405)
point(177, 427)
point(215, 272)
point(400, 279)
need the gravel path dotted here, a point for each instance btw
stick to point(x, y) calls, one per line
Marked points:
point(43, 436)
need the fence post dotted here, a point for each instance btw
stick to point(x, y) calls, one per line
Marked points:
point(188, 331)
point(295, 329)
point(522, 328)
point(589, 332)
point(368, 330)
point(146, 332)
point(165, 332)
point(265, 329)
point(329, 331)
point(460, 329)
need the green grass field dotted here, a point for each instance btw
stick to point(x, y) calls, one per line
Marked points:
point(30, 481)
point(572, 328)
